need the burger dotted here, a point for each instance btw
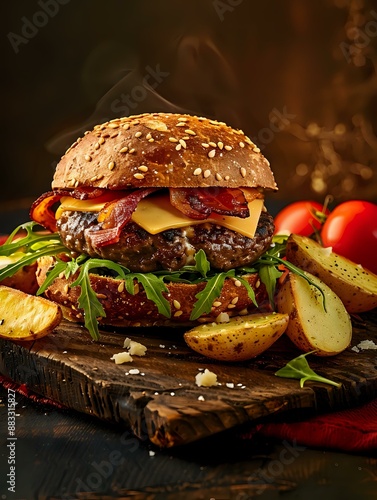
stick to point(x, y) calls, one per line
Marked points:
point(161, 217)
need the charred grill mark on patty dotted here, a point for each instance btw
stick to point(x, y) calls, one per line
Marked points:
point(172, 249)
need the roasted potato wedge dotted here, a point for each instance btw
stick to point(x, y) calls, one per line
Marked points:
point(311, 327)
point(356, 286)
point(26, 317)
point(243, 337)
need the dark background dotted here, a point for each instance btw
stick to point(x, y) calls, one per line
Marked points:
point(298, 76)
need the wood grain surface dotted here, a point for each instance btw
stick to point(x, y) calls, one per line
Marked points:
point(162, 403)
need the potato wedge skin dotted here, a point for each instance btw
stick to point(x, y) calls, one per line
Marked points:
point(26, 317)
point(311, 327)
point(356, 287)
point(242, 338)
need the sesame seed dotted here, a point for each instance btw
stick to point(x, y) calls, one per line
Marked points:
point(206, 173)
point(190, 132)
point(249, 141)
point(136, 288)
point(241, 144)
point(113, 125)
point(182, 143)
point(212, 144)
point(101, 140)
point(148, 136)
point(182, 119)
point(220, 145)
point(213, 122)
point(88, 158)
point(180, 124)
point(205, 145)
point(94, 178)
point(178, 147)
point(151, 139)
point(256, 149)
point(231, 306)
point(121, 287)
point(228, 148)
point(126, 126)
point(123, 150)
point(218, 177)
point(227, 177)
point(197, 171)
point(211, 153)
point(97, 146)
point(66, 287)
point(143, 168)
point(237, 283)
point(173, 139)
point(178, 313)
point(111, 165)
point(132, 150)
point(235, 300)
point(217, 303)
point(176, 304)
point(138, 134)
point(139, 176)
point(243, 171)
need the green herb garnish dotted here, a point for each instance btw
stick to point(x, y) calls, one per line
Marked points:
point(32, 245)
point(299, 368)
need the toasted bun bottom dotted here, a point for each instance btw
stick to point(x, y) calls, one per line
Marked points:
point(124, 309)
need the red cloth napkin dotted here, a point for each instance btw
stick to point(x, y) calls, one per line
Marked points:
point(349, 430)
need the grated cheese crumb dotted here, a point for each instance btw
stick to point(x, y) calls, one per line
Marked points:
point(122, 357)
point(367, 344)
point(206, 378)
point(134, 348)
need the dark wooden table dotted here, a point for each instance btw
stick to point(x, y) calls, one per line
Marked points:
point(64, 455)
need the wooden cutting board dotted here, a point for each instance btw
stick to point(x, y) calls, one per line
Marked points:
point(160, 400)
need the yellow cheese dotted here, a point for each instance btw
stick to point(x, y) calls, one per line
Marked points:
point(69, 203)
point(156, 214)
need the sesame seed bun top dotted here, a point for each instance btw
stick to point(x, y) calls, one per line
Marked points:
point(163, 150)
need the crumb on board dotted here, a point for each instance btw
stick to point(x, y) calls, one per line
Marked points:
point(206, 378)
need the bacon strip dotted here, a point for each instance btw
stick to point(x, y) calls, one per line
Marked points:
point(199, 203)
point(41, 210)
point(114, 216)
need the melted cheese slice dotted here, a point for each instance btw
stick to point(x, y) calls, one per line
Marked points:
point(156, 214)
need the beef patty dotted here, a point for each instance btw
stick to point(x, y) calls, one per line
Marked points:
point(143, 252)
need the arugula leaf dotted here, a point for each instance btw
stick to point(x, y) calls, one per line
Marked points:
point(269, 275)
point(202, 265)
point(210, 292)
point(250, 291)
point(32, 241)
point(154, 288)
point(299, 368)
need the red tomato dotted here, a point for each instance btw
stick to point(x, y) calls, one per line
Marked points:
point(298, 218)
point(351, 231)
